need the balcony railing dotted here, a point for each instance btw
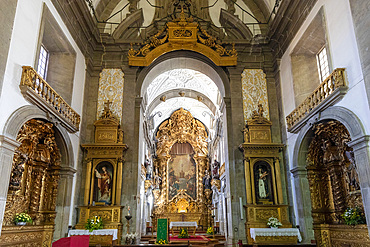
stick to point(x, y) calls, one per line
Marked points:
point(40, 93)
point(327, 93)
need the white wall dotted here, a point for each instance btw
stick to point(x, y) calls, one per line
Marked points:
point(23, 52)
point(344, 54)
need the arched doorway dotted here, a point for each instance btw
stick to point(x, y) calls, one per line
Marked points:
point(190, 81)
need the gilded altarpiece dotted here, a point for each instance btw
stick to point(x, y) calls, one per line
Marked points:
point(262, 176)
point(33, 186)
point(179, 180)
point(334, 186)
point(103, 180)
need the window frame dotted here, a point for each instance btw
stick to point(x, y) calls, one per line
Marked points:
point(41, 60)
point(323, 66)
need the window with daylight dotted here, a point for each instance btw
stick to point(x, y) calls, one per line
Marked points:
point(43, 62)
point(322, 64)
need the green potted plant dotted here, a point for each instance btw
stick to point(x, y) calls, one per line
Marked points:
point(353, 216)
point(22, 219)
point(184, 233)
point(210, 230)
point(95, 223)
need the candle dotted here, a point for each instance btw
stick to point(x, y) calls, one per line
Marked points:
point(128, 210)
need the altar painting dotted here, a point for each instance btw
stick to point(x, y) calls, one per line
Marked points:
point(182, 175)
point(103, 182)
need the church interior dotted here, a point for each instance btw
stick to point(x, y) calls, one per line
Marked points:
point(177, 122)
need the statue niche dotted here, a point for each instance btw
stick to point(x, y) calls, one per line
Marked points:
point(263, 183)
point(180, 165)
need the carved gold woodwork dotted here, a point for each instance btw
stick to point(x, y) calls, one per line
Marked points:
point(27, 236)
point(111, 216)
point(33, 183)
point(333, 181)
point(108, 148)
point(181, 127)
point(258, 148)
point(341, 235)
point(336, 80)
point(182, 34)
point(258, 215)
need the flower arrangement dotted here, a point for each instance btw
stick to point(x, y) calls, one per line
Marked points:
point(22, 217)
point(161, 241)
point(130, 238)
point(273, 222)
point(210, 230)
point(353, 216)
point(184, 233)
point(94, 223)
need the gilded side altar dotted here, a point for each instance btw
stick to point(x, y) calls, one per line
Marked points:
point(262, 175)
point(103, 181)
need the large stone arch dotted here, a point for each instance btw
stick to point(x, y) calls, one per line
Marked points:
point(11, 128)
point(360, 144)
point(183, 59)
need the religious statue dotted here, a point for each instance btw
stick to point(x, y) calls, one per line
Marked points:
point(157, 180)
point(148, 168)
point(352, 177)
point(107, 112)
point(262, 185)
point(215, 170)
point(104, 185)
point(230, 6)
point(207, 180)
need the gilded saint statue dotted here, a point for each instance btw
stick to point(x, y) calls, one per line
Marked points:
point(104, 184)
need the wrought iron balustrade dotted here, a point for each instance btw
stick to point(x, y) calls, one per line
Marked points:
point(39, 92)
point(334, 85)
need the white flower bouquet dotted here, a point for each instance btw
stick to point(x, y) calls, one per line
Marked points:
point(274, 222)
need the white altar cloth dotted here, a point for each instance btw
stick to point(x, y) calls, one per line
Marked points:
point(113, 232)
point(275, 232)
point(184, 224)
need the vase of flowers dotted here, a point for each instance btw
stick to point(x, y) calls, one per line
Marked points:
point(131, 238)
point(353, 216)
point(184, 233)
point(273, 223)
point(210, 230)
point(95, 223)
point(22, 219)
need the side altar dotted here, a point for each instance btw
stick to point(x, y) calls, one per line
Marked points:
point(263, 177)
point(103, 179)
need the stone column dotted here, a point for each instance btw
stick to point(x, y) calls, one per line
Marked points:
point(7, 148)
point(63, 201)
point(303, 200)
point(362, 156)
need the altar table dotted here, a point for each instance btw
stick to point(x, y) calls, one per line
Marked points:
point(183, 224)
point(279, 235)
point(113, 232)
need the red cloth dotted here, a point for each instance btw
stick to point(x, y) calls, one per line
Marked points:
point(73, 241)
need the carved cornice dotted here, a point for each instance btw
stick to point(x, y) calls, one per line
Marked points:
point(182, 34)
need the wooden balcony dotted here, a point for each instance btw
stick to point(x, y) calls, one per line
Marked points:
point(36, 90)
point(330, 91)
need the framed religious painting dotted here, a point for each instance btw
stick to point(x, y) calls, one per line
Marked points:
point(263, 183)
point(103, 183)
